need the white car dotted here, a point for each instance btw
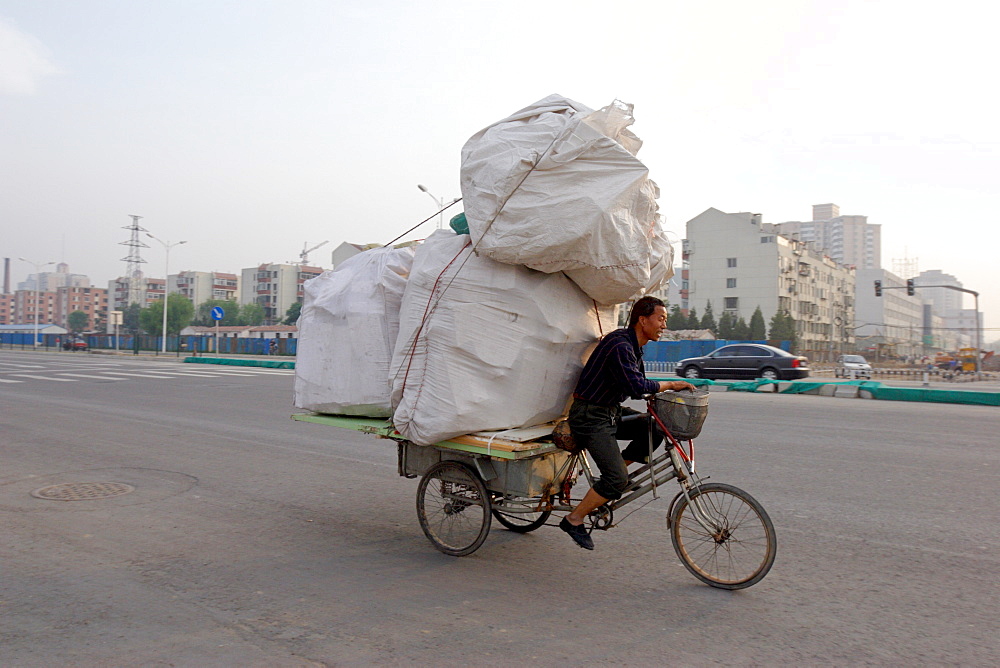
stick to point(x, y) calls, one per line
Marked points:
point(853, 366)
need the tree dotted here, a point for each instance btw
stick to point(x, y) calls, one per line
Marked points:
point(693, 322)
point(251, 314)
point(77, 321)
point(708, 320)
point(741, 330)
point(130, 318)
point(783, 328)
point(179, 313)
point(292, 314)
point(676, 320)
point(725, 331)
point(757, 328)
point(230, 307)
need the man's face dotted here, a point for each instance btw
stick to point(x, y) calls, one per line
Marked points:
point(653, 325)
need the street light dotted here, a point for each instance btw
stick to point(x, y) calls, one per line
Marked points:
point(38, 278)
point(440, 204)
point(166, 282)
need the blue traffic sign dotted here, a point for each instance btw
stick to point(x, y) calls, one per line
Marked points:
point(218, 313)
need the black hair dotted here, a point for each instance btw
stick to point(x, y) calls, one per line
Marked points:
point(643, 307)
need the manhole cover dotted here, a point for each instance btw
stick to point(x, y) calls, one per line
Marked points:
point(82, 491)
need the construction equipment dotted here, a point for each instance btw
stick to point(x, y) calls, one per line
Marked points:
point(304, 255)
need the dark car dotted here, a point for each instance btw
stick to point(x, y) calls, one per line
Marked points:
point(745, 360)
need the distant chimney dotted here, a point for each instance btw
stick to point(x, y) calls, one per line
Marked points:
point(6, 275)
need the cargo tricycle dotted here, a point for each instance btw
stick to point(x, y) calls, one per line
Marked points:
point(519, 477)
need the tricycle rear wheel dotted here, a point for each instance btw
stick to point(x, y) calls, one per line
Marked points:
point(453, 507)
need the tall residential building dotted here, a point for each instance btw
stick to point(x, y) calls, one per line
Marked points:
point(849, 240)
point(892, 323)
point(92, 301)
point(275, 287)
point(50, 281)
point(200, 286)
point(942, 300)
point(738, 263)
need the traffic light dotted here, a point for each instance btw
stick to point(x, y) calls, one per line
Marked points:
point(878, 288)
point(909, 287)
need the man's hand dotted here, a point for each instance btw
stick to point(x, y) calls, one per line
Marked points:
point(675, 385)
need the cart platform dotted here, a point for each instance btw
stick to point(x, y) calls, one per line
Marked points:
point(508, 444)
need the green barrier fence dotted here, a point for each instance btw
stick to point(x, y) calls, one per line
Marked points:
point(877, 391)
point(270, 364)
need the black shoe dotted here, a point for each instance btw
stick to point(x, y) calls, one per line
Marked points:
point(579, 534)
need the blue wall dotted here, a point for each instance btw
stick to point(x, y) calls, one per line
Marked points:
point(675, 351)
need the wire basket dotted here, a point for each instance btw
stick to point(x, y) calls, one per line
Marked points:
point(683, 413)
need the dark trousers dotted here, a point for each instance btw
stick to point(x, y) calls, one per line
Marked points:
point(598, 429)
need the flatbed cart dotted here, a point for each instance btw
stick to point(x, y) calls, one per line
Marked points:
point(722, 535)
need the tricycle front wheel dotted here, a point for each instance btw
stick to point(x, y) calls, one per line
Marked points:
point(723, 536)
point(453, 507)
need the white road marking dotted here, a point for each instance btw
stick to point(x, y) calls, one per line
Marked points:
point(28, 375)
point(4, 380)
point(221, 372)
point(83, 375)
point(137, 375)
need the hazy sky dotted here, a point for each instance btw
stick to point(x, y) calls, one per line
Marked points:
point(250, 127)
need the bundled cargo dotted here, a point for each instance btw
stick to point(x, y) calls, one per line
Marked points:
point(484, 345)
point(557, 187)
point(347, 332)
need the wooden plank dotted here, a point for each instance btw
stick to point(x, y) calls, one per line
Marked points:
point(519, 434)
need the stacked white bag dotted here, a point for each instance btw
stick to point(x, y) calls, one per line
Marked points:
point(557, 187)
point(347, 331)
point(484, 345)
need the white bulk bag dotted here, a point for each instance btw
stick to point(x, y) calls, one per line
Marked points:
point(347, 332)
point(484, 345)
point(557, 187)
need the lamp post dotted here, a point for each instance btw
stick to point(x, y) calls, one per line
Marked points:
point(38, 277)
point(166, 282)
point(440, 204)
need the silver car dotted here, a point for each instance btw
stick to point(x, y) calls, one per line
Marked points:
point(853, 366)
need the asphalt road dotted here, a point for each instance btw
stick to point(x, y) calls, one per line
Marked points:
point(252, 540)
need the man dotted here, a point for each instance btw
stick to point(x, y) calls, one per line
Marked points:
point(613, 373)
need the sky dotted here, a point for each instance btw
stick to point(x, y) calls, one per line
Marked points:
point(252, 128)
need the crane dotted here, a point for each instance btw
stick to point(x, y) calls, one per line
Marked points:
point(304, 255)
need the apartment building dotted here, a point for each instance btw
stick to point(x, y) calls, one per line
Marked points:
point(25, 307)
point(6, 309)
point(275, 287)
point(894, 322)
point(201, 286)
point(738, 263)
point(151, 290)
point(92, 301)
point(848, 240)
point(50, 281)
